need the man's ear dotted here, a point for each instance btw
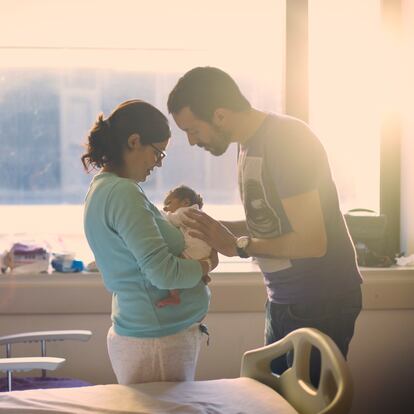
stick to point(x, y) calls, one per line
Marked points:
point(187, 202)
point(220, 116)
point(134, 141)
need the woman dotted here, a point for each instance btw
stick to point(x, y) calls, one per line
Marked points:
point(137, 251)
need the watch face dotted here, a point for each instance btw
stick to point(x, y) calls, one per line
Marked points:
point(242, 242)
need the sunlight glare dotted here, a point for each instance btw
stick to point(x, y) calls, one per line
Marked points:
point(345, 93)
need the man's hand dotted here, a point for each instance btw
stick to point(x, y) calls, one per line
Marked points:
point(211, 231)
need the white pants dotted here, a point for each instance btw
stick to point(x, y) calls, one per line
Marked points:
point(169, 358)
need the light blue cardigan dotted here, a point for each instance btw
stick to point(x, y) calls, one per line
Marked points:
point(136, 251)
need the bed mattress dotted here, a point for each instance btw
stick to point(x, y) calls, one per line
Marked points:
point(227, 396)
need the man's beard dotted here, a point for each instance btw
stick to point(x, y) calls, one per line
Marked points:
point(220, 144)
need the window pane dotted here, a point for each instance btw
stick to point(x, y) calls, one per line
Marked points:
point(345, 94)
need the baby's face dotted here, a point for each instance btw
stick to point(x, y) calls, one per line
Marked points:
point(172, 203)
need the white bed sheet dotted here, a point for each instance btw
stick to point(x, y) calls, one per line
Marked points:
point(224, 396)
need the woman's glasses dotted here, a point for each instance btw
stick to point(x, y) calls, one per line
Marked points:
point(160, 154)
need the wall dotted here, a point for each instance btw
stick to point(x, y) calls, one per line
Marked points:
point(381, 357)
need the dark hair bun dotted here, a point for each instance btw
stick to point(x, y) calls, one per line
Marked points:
point(108, 138)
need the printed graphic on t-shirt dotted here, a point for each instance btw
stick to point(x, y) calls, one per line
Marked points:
point(261, 219)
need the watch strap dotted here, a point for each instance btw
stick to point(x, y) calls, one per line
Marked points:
point(242, 253)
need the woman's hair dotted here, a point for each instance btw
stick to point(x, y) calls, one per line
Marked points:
point(183, 192)
point(108, 138)
point(203, 90)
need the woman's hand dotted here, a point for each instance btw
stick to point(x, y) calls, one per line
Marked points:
point(214, 263)
point(206, 279)
point(210, 263)
point(214, 259)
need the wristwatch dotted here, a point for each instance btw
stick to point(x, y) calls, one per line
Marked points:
point(241, 246)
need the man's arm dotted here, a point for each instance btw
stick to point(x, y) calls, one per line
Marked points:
point(238, 228)
point(307, 238)
point(308, 235)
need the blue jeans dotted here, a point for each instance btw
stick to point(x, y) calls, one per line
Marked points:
point(335, 317)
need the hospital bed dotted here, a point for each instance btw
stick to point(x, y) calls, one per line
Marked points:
point(256, 391)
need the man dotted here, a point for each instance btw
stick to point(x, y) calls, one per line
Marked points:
point(293, 227)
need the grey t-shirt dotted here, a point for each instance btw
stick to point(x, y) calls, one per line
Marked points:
point(283, 159)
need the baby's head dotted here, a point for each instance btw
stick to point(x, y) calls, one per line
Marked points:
point(182, 196)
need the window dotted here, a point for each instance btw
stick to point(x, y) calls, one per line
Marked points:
point(76, 59)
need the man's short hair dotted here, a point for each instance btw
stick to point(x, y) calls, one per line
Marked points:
point(203, 90)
